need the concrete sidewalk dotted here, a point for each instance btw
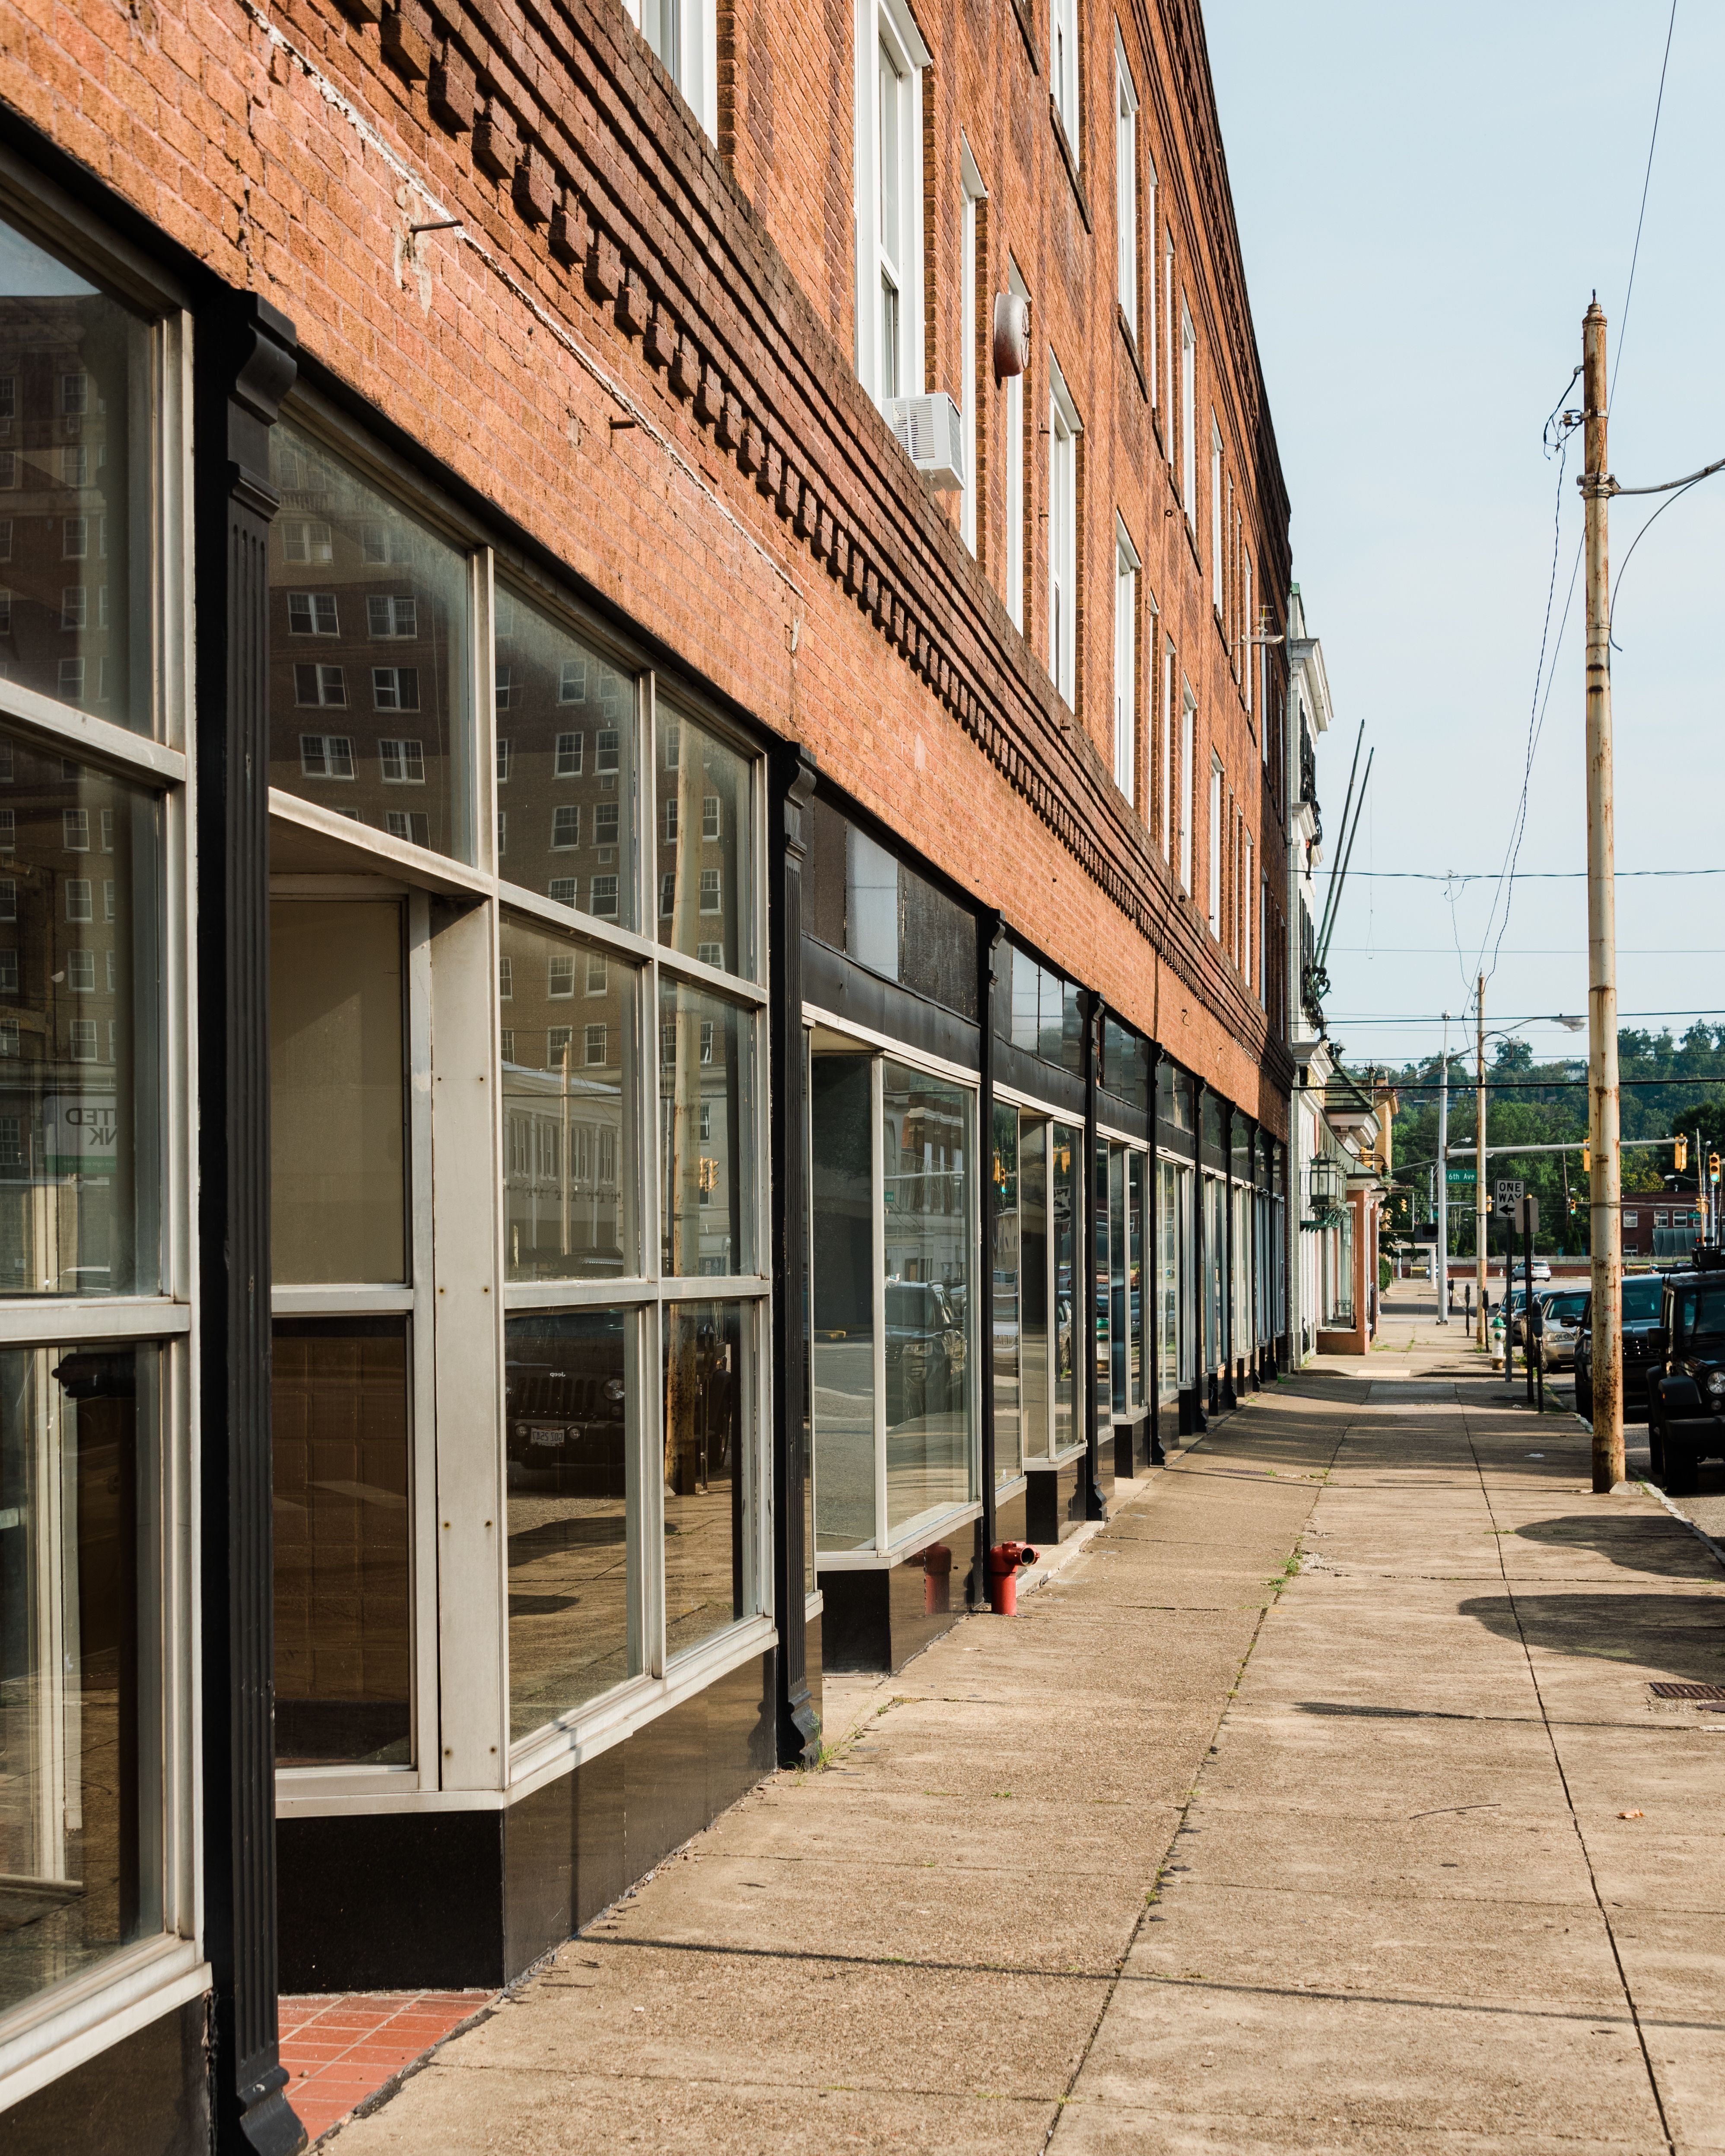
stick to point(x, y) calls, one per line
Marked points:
point(1204, 1852)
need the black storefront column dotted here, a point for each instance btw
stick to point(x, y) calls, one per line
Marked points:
point(792, 780)
point(246, 362)
point(990, 931)
point(1204, 1363)
point(1150, 1264)
point(1084, 1324)
point(1225, 1298)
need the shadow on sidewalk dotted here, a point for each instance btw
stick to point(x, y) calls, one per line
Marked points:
point(1681, 1635)
point(1644, 1543)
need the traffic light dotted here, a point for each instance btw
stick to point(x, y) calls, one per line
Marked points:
point(1681, 1160)
point(1713, 1168)
point(1587, 1158)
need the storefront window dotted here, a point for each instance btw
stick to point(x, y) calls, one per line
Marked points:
point(343, 1642)
point(1008, 1431)
point(1173, 1183)
point(80, 982)
point(566, 784)
point(926, 1153)
point(1215, 1265)
point(76, 392)
point(569, 1026)
point(707, 1122)
point(879, 911)
point(1035, 1259)
point(370, 705)
point(1038, 1010)
point(569, 1414)
point(338, 1193)
point(708, 1381)
point(1134, 1284)
point(1066, 1225)
point(1109, 1314)
point(842, 1271)
point(704, 845)
point(81, 1767)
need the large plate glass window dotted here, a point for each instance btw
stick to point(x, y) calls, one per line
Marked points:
point(371, 644)
point(95, 1790)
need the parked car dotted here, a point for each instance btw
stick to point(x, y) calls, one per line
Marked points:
point(1556, 1326)
point(1643, 1346)
point(1685, 1400)
point(1542, 1271)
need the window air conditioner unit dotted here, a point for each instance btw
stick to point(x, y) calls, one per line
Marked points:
point(932, 433)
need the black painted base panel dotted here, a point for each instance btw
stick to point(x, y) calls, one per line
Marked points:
point(1054, 1500)
point(443, 1901)
point(1131, 1447)
point(875, 1620)
point(146, 2096)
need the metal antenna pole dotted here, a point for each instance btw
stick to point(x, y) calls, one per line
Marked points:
point(1607, 1217)
point(1443, 1182)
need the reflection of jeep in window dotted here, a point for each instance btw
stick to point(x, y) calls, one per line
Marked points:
point(563, 1409)
point(924, 1350)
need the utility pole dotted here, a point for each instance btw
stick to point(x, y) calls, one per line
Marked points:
point(1602, 1093)
point(1482, 1216)
point(1442, 1181)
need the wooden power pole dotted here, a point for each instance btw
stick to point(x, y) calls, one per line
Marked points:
point(1605, 1213)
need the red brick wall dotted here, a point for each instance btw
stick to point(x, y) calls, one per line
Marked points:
point(644, 360)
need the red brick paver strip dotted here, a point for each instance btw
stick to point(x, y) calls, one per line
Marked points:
point(341, 2048)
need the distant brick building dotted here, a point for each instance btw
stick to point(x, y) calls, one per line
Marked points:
point(644, 830)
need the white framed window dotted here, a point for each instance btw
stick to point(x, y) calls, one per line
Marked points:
point(1125, 186)
point(1063, 67)
point(313, 614)
point(712, 814)
point(326, 756)
point(566, 826)
point(1215, 845)
point(1063, 432)
point(890, 57)
point(395, 688)
point(320, 686)
point(1248, 885)
point(1125, 662)
point(1263, 940)
point(80, 972)
point(560, 975)
point(392, 615)
point(1165, 738)
point(1250, 656)
point(403, 761)
point(564, 891)
point(75, 830)
point(1216, 563)
point(1188, 782)
point(1015, 591)
point(568, 759)
point(969, 356)
point(1188, 413)
point(685, 35)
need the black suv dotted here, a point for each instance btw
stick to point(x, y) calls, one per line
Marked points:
point(1643, 1346)
point(1686, 1420)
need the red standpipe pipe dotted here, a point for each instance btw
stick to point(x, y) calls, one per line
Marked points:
point(1004, 1562)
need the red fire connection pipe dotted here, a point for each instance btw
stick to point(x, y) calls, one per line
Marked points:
point(1004, 1562)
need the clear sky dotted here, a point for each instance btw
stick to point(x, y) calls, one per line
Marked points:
point(1426, 199)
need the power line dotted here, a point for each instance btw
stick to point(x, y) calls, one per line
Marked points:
point(1509, 1018)
point(1520, 875)
point(1642, 214)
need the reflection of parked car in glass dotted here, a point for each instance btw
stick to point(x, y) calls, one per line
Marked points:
point(563, 1411)
point(1643, 1345)
point(924, 1350)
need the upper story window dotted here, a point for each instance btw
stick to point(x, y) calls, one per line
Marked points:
point(685, 35)
point(1126, 185)
point(973, 273)
point(1215, 835)
point(1125, 662)
point(1189, 412)
point(1216, 564)
point(1189, 774)
point(1063, 67)
point(890, 60)
point(1015, 504)
point(1063, 432)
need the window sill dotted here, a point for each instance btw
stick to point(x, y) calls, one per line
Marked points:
point(1131, 351)
point(918, 1537)
point(1005, 1492)
point(64, 2027)
point(1071, 161)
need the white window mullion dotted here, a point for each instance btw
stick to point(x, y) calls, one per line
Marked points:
point(1015, 475)
point(1126, 661)
point(1126, 184)
point(968, 370)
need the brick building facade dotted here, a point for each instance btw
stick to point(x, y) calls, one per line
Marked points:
point(542, 536)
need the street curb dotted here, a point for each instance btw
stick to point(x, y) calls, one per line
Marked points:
point(1715, 1549)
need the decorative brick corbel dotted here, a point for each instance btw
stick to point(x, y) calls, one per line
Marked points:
point(570, 235)
point(769, 472)
point(789, 492)
point(633, 307)
point(535, 187)
point(751, 442)
point(662, 341)
point(709, 397)
point(407, 40)
point(602, 274)
point(685, 369)
point(454, 95)
point(728, 428)
point(496, 146)
point(360, 11)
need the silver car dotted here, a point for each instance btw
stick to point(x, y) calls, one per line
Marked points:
point(1558, 1324)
